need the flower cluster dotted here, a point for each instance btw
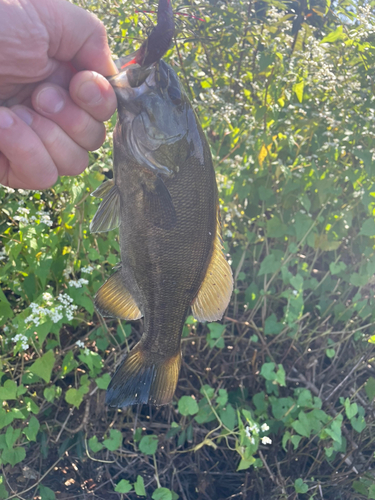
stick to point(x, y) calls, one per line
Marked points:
point(3, 254)
point(54, 311)
point(42, 217)
point(78, 283)
point(254, 429)
point(23, 339)
point(87, 269)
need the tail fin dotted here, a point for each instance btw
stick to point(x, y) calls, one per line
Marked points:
point(140, 379)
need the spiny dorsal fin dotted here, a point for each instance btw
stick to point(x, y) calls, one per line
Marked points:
point(107, 216)
point(216, 289)
point(114, 300)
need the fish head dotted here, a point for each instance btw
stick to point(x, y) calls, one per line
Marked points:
point(155, 116)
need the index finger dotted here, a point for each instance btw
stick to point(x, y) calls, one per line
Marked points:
point(76, 35)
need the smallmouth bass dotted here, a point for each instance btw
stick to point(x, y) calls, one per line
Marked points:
point(164, 199)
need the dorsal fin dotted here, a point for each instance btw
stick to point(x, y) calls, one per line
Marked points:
point(216, 289)
point(107, 216)
point(114, 300)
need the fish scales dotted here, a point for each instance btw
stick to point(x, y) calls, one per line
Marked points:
point(164, 198)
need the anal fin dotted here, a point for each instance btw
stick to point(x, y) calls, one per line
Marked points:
point(107, 216)
point(114, 300)
point(216, 289)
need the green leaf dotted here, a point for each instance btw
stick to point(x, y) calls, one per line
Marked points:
point(298, 89)
point(94, 444)
point(123, 486)
point(162, 494)
point(272, 326)
point(43, 366)
point(337, 268)
point(300, 486)
point(139, 487)
point(49, 393)
point(330, 353)
point(370, 388)
point(305, 399)
point(302, 425)
point(3, 491)
point(269, 265)
point(187, 406)
point(103, 382)
point(75, 396)
point(333, 37)
point(114, 441)
point(275, 228)
point(358, 423)
point(222, 398)
point(68, 364)
point(32, 429)
point(368, 228)
point(46, 493)
point(228, 416)
point(13, 456)
point(8, 391)
point(11, 436)
point(357, 279)
point(351, 410)
point(268, 371)
point(149, 444)
point(280, 376)
point(5, 308)
point(245, 463)
point(214, 338)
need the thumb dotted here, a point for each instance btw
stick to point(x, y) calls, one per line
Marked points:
point(76, 36)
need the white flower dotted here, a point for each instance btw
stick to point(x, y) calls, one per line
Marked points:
point(22, 210)
point(79, 343)
point(78, 283)
point(247, 431)
point(266, 440)
point(87, 269)
point(3, 254)
point(264, 427)
point(23, 339)
point(254, 428)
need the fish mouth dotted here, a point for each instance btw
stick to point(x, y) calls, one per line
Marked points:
point(134, 76)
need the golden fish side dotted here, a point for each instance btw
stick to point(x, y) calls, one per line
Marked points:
point(164, 198)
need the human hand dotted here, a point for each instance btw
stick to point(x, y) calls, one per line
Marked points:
point(50, 114)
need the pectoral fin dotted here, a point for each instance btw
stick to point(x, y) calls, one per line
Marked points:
point(216, 289)
point(159, 205)
point(114, 300)
point(107, 216)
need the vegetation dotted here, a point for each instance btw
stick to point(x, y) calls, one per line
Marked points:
point(277, 401)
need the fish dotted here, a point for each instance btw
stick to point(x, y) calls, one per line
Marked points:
point(164, 199)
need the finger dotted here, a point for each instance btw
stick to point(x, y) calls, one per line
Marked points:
point(69, 157)
point(76, 35)
point(54, 103)
point(93, 93)
point(25, 162)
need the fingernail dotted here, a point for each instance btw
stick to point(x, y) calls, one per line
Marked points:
point(24, 114)
point(89, 93)
point(6, 119)
point(50, 100)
